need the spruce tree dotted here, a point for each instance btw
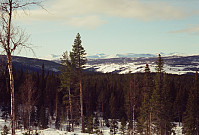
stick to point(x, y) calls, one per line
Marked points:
point(156, 97)
point(78, 60)
point(89, 125)
point(66, 77)
point(160, 101)
point(113, 122)
point(43, 119)
point(191, 115)
point(144, 119)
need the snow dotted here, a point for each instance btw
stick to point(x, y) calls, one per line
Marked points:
point(124, 68)
point(52, 131)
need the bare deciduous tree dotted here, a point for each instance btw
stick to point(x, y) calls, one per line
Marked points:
point(11, 38)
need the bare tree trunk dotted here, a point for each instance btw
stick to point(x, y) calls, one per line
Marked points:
point(9, 45)
point(9, 60)
point(81, 103)
point(71, 112)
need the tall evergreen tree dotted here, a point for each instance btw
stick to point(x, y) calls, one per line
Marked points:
point(191, 116)
point(161, 117)
point(113, 122)
point(43, 119)
point(156, 97)
point(78, 59)
point(144, 119)
point(66, 77)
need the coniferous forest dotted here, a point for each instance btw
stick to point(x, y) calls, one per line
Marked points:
point(144, 103)
point(148, 103)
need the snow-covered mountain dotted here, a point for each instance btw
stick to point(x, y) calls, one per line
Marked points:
point(121, 65)
point(53, 57)
point(172, 64)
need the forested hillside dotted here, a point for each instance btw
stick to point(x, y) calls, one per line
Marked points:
point(141, 98)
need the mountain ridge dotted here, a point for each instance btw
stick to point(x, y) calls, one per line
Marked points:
point(54, 57)
point(122, 65)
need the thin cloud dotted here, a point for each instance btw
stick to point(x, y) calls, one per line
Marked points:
point(193, 30)
point(88, 21)
point(69, 10)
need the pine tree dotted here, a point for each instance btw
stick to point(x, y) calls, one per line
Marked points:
point(78, 60)
point(191, 116)
point(89, 125)
point(167, 107)
point(144, 119)
point(132, 103)
point(160, 101)
point(43, 119)
point(66, 77)
point(113, 122)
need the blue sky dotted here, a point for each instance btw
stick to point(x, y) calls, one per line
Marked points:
point(113, 26)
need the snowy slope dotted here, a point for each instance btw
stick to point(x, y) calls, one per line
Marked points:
point(122, 65)
point(172, 64)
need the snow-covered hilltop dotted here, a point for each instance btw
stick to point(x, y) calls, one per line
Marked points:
point(172, 64)
point(122, 64)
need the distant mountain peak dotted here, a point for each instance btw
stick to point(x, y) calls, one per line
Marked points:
point(54, 57)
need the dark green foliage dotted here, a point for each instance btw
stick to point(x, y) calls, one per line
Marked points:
point(169, 98)
point(144, 118)
point(191, 115)
point(78, 53)
point(159, 65)
point(161, 101)
point(112, 103)
point(89, 125)
point(78, 60)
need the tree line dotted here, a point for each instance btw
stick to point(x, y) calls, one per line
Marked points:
point(144, 103)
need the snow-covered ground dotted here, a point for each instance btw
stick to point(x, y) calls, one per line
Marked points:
point(52, 131)
point(135, 68)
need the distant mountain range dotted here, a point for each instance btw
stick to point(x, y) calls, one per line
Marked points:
point(172, 64)
point(122, 64)
point(54, 57)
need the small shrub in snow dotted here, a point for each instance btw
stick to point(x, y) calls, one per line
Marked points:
point(5, 130)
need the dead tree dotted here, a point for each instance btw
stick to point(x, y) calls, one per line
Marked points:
point(11, 38)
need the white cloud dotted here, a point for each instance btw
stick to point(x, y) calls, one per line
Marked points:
point(70, 11)
point(193, 30)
